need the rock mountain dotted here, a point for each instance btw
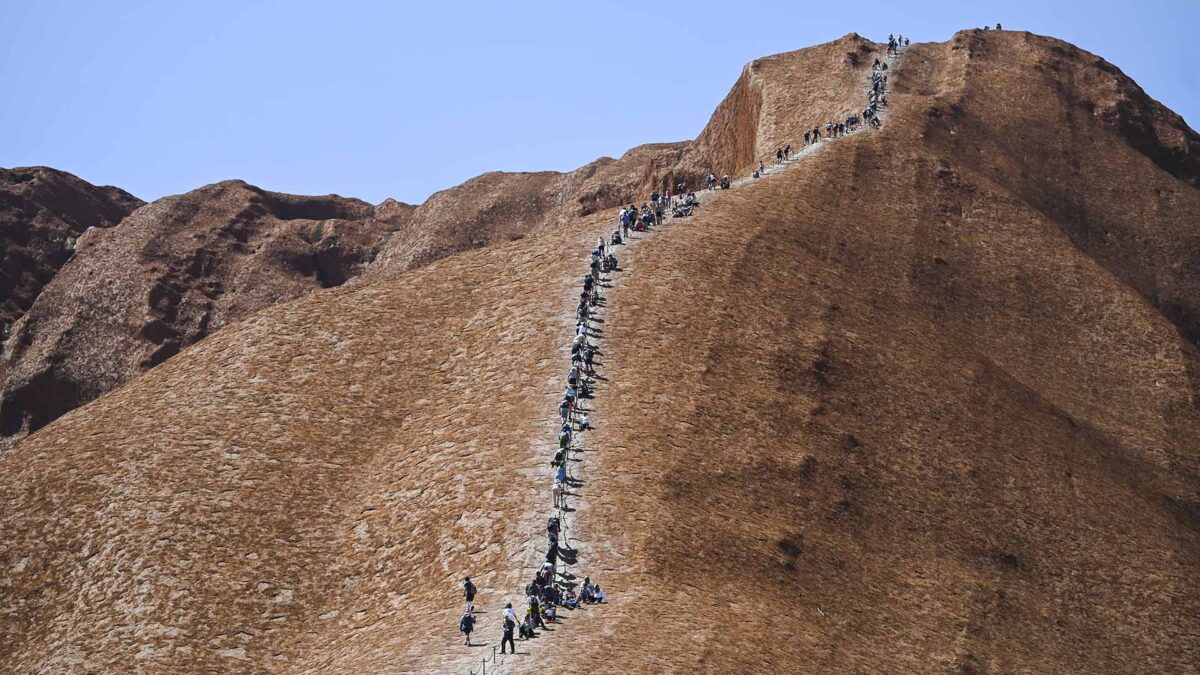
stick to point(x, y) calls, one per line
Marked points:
point(925, 400)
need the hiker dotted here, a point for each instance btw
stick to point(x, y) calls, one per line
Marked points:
point(787, 151)
point(997, 28)
point(725, 182)
point(584, 423)
point(551, 614)
point(557, 494)
point(779, 155)
point(564, 411)
point(467, 624)
point(598, 594)
point(560, 473)
point(526, 628)
point(469, 594)
point(711, 180)
point(585, 591)
point(510, 623)
point(535, 611)
point(806, 135)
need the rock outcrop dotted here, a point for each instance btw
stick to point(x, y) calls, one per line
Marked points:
point(902, 407)
point(169, 275)
point(42, 213)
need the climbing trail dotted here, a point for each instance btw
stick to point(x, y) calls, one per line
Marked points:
point(561, 576)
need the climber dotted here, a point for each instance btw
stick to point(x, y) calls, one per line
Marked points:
point(787, 151)
point(557, 493)
point(467, 624)
point(779, 156)
point(598, 594)
point(535, 611)
point(712, 179)
point(560, 473)
point(510, 623)
point(564, 411)
point(469, 594)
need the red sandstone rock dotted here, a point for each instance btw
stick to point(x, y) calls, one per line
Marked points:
point(42, 212)
point(169, 275)
point(924, 401)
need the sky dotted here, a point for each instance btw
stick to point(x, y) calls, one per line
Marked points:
point(401, 99)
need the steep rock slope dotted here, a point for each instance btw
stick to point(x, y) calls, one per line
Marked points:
point(42, 212)
point(173, 272)
point(46, 379)
point(877, 413)
point(775, 101)
point(497, 207)
point(886, 414)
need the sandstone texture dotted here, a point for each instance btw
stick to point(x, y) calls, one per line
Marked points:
point(42, 213)
point(170, 274)
point(925, 400)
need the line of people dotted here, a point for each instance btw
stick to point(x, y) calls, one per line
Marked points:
point(546, 592)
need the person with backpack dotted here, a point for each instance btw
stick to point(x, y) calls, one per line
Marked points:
point(510, 624)
point(556, 493)
point(469, 594)
point(467, 624)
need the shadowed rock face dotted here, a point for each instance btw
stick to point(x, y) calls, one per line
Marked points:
point(42, 212)
point(169, 275)
point(890, 410)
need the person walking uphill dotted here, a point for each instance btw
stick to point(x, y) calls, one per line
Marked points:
point(510, 624)
point(467, 624)
point(469, 594)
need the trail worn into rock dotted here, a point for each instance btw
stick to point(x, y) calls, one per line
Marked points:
point(884, 411)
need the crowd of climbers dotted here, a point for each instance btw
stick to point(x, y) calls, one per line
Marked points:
point(549, 590)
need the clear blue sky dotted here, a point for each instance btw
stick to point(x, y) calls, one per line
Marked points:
point(400, 99)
